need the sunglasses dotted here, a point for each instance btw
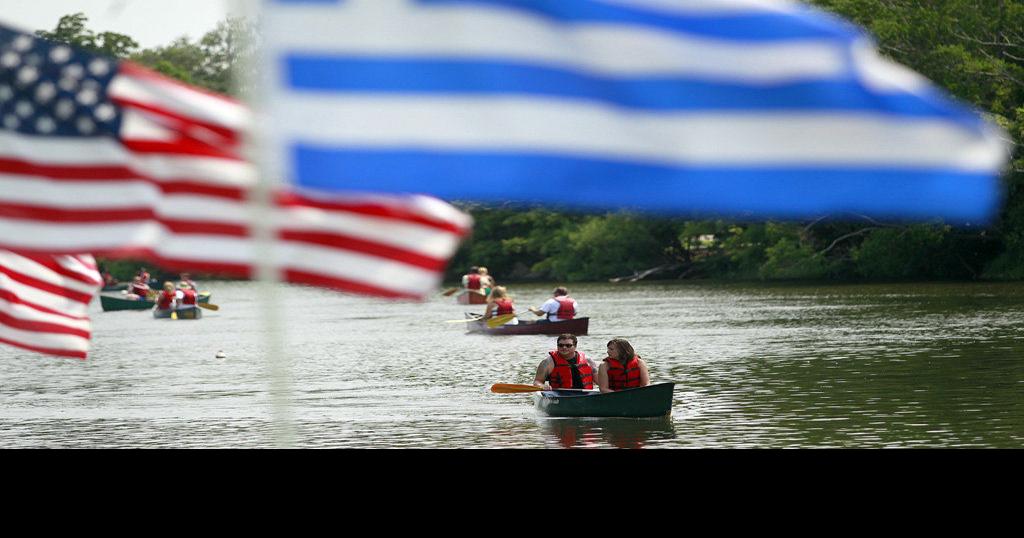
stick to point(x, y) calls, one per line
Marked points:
point(566, 345)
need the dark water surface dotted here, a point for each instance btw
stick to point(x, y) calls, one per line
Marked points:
point(907, 365)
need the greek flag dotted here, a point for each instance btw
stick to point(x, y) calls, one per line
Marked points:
point(740, 108)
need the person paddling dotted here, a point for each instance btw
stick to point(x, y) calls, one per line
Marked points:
point(168, 298)
point(565, 367)
point(472, 280)
point(187, 296)
point(499, 303)
point(559, 307)
point(622, 369)
point(186, 278)
point(138, 289)
point(486, 280)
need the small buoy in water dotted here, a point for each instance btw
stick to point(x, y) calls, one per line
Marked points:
point(221, 355)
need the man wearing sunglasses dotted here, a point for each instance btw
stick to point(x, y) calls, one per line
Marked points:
point(565, 367)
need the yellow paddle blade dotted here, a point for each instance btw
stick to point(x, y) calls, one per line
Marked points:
point(174, 315)
point(498, 321)
point(511, 388)
point(208, 306)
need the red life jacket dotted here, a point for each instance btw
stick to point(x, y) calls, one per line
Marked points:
point(140, 290)
point(565, 308)
point(473, 283)
point(189, 298)
point(561, 374)
point(504, 307)
point(163, 301)
point(623, 376)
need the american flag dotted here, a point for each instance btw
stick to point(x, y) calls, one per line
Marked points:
point(751, 108)
point(109, 158)
point(44, 301)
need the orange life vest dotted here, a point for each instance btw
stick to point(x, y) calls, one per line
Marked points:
point(561, 375)
point(163, 301)
point(565, 308)
point(504, 307)
point(623, 376)
point(189, 298)
point(473, 283)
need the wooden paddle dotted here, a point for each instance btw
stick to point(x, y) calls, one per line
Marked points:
point(511, 388)
point(498, 321)
point(449, 291)
point(208, 306)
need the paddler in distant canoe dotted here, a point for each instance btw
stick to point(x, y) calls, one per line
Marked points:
point(619, 373)
point(559, 307)
point(486, 280)
point(472, 280)
point(186, 278)
point(499, 303)
point(566, 367)
point(168, 298)
point(186, 295)
point(138, 290)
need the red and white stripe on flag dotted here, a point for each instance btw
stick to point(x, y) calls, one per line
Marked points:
point(44, 302)
point(174, 189)
point(112, 159)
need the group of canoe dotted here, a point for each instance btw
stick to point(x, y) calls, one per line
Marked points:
point(559, 317)
point(181, 301)
point(559, 314)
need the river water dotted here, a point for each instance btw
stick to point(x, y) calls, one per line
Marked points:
point(756, 366)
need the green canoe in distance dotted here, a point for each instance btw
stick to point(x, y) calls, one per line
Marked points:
point(650, 401)
point(112, 302)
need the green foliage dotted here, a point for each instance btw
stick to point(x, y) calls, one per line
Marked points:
point(71, 30)
point(790, 259)
point(899, 253)
point(211, 62)
point(606, 246)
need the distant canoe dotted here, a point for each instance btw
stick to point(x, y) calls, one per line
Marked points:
point(188, 312)
point(115, 287)
point(577, 326)
point(650, 401)
point(111, 303)
point(471, 297)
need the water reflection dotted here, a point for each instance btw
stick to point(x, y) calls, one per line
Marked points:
point(604, 432)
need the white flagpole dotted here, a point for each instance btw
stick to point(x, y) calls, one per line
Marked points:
point(264, 224)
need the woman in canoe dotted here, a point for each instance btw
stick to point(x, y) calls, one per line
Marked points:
point(138, 290)
point(168, 298)
point(486, 280)
point(499, 303)
point(622, 368)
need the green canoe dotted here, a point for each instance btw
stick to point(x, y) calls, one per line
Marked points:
point(650, 401)
point(114, 302)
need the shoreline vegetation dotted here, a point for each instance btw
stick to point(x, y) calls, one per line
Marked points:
point(975, 54)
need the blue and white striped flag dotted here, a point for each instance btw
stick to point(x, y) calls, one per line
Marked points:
point(744, 108)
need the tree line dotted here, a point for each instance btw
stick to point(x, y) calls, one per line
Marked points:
point(974, 50)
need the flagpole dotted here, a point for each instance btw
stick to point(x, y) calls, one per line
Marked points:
point(266, 271)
